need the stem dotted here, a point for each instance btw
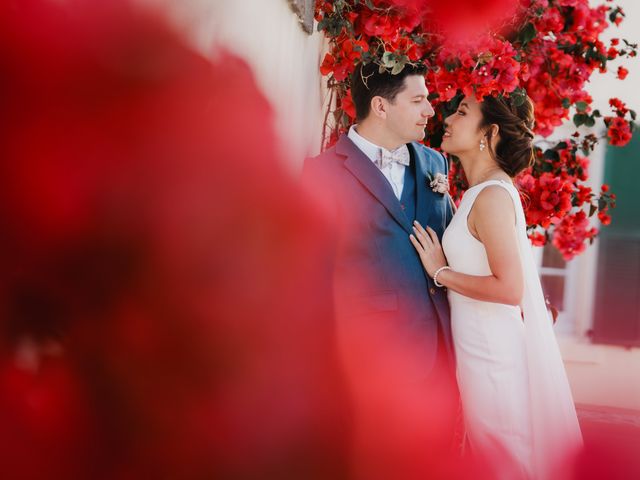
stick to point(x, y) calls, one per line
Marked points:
point(326, 116)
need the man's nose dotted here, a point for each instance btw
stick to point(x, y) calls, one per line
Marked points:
point(429, 112)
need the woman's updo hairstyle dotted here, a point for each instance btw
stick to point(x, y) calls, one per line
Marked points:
point(514, 117)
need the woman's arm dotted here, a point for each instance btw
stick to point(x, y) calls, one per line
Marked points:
point(493, 219)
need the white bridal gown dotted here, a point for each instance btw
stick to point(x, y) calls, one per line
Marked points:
point(519, 412)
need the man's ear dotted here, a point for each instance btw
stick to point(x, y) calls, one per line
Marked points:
point(379, 106)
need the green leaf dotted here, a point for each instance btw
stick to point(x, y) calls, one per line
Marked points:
point(518, 96)
point(388, 59)
point(566, 103)
point(581, 106)
point(633, 114)
point(579, 119)
point(602, 203)
point(590, 121)
point(397, 68)
point(527, 34)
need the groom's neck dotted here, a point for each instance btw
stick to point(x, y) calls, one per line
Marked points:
point(378, 134)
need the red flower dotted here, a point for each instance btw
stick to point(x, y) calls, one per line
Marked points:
point(375, 25)
point(622, 72)
point(548, 198)
point(619, 106)
point(347, 105)
point(583, 195)
point(604, 218)
point(571, 234)
point(619, 131)
point(327, 64)
point(538, 239)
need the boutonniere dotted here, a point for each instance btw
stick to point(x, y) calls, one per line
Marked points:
point(439, 182)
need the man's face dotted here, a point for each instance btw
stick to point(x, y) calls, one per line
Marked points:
point(408, 113)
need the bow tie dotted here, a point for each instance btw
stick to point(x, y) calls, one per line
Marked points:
point(399, 155)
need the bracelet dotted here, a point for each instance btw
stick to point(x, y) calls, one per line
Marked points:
point(435, 275)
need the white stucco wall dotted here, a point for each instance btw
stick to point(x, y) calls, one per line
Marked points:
point(284, 58)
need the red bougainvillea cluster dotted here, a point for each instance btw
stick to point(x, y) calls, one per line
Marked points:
point(548, 48)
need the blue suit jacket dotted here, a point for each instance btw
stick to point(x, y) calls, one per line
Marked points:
point(378, 275)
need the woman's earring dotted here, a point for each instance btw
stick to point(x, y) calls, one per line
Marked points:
point(482, 145)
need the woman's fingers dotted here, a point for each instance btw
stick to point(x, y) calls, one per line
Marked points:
point(421, 233)
point(433, 235)
point(416, 244)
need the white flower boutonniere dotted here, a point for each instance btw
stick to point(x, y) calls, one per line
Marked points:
point(439, 183)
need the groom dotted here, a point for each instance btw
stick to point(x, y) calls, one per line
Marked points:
point(393, 329)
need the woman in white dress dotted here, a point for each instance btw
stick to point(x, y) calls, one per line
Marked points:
point(519, 413)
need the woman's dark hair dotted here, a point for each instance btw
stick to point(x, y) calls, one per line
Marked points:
point(514, 151)
point(368, 82)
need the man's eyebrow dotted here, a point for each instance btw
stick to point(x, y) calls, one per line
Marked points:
point(464, 104)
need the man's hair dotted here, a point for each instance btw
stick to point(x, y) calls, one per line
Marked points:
point(367, 82)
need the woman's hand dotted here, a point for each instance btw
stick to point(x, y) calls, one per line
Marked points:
point(428, 246)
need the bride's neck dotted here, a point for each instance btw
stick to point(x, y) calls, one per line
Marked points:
point(478, 170)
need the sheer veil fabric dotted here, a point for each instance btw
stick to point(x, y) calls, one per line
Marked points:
point(556, 432)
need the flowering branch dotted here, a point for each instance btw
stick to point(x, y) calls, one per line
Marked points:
point(546, 48)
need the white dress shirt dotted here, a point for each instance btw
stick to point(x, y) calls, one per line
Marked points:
point(393, 172)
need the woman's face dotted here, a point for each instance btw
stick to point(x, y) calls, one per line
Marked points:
point(462, 133)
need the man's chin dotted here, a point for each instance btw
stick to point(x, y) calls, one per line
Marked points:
point(416, 137)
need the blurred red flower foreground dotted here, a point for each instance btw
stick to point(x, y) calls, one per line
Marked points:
point(165, 287)
point(165, 311)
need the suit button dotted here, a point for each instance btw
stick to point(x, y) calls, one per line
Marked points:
point(402, 206)
point(432, 291)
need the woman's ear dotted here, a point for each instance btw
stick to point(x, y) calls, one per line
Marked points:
point(378, 107)
point(494, 130)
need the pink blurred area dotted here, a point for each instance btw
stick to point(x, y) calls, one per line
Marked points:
point(464, 19)
point(165, 304)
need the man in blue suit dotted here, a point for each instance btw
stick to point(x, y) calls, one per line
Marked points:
point(393, 328)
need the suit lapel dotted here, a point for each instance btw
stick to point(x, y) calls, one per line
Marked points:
point(370, 176)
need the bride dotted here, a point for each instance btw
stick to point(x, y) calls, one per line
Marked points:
point(519, 413)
